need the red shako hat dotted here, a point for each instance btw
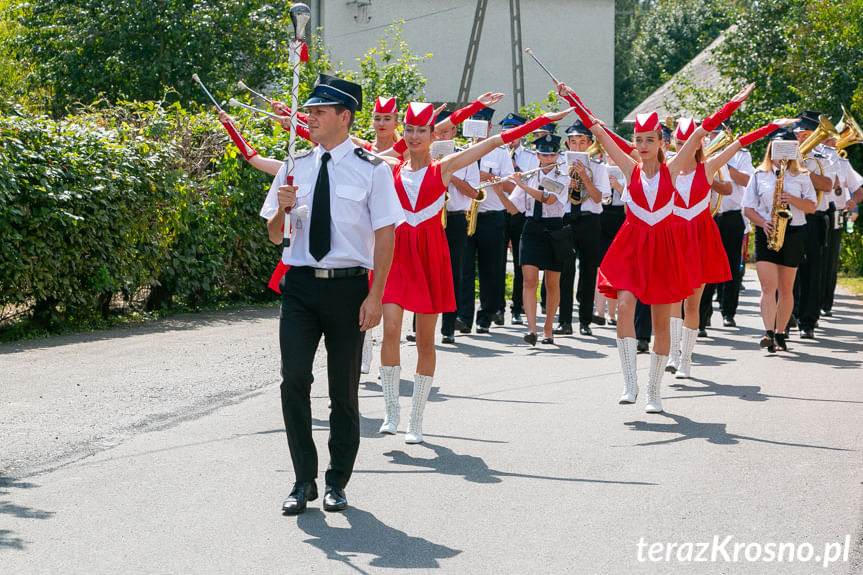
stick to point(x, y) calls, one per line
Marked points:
point(386, 106)
point(647, 123)
point(685, 128)
point(419, 114)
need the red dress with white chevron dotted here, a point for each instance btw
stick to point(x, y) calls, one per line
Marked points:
point(704, 254)
point(420, 278)
point(647, 256)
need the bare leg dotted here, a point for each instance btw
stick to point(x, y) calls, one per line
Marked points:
point(786, 296)
point(768, 275)
point(691, 305)
point(552, 299)
point(626, 314)
point(530, 277)
point(426, 323)
point(393, 314)
point(661, 316)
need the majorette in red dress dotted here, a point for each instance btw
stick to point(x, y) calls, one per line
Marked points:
point(420, 278)
point(704, 256)
point(647, 257)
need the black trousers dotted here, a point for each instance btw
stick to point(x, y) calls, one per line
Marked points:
point(831, 260)
point(643, 321)
point(456, 234)
point(514, 226)
point(809, 274)
point(312, 308)
point(731, 230)
point(586, 233)
point(484, 252)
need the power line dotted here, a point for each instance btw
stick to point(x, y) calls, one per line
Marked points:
point(420, 17)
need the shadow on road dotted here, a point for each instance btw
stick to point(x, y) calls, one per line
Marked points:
point(8, 540)
point(367, 535)
point(470, 467)
point(686, 429)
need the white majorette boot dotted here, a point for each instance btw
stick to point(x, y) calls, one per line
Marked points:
point(390, 378)
point(422, 387)
point(626, 347)
point(654, 378)
point(684, 371)
point(674, 353)
point(366, 364)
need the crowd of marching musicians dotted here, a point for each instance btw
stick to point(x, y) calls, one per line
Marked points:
point(655, 227)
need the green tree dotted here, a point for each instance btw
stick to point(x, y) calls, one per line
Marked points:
point(85, 50)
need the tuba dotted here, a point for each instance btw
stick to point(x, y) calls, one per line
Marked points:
point(723, 139)
point(824, 131)
point(578, 192)
point(849, 133)
point(780, 214)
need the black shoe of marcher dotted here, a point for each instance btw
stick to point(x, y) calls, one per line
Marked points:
point(728, 322)
point(612, 321)
point(482, 329)
point(584, 329)
point(702, 332)
point(516, 319)
point(642, 346)
point(498, 318)
point(768, 342)
point(598, 320)
point(563, 329)
point(826, 313)
point(461, 326)
point(300, 495)
point(781, 344)
point(334, 499)
point(411, 336)
point(448, 338)
point(807, 334)
point(530, 338)
point(547, 341)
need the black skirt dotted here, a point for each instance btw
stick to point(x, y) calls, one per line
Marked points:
point(792, 250)
point(535, 248)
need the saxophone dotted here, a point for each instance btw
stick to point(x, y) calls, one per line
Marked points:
point(780, 215)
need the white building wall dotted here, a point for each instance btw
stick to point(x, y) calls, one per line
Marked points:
point(574, 38)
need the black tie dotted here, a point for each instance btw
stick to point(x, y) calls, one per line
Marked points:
point(319, 227)
point(537, 207)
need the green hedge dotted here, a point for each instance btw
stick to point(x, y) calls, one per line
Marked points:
point(134, 201)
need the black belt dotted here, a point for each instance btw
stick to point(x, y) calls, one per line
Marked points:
point(612, 209)
point(329, 274)
point(728, 213)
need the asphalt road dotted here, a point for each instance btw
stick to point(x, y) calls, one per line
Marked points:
point(161, 449)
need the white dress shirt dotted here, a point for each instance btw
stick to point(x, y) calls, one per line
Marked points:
point(458, 202)
point(526, 203)
point(362, 199)
point(826, 167)
point(498, 163)
point(759, 194)
point(742, 162)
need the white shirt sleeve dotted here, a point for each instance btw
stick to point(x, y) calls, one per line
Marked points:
point(600, 179)
point(384, 206)
point(751, 198)
point(271, 204)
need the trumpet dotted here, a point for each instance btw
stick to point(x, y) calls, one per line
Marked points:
point(824, 131)
point(578, 193)
point(723, 139)
point(849, 133)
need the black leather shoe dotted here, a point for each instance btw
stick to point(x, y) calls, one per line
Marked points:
point(781, 344)
point(461, 326)
point(642, 346)
point(807, 334)
point(563, 329)
point(300, 495)
point(448, 339)
point(728, 322)
point(334, 499)
point(411, 336)
point(827, 313)
point(612, 321)
point(530, 338)
point(702, 332)
point(516, 319)
point(482, 329)
point(498, 318)
point(547, 341)
point(768, 342)
point(598, 320)
point(584, 329)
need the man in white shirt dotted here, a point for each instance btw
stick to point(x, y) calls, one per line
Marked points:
point(523, 160)
point(353, 212)
point(729, 220)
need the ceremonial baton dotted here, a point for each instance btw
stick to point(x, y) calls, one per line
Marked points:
point(300, 16)
point(233, 102)
point(197, 79)
point(575, 101)
point(242, 86)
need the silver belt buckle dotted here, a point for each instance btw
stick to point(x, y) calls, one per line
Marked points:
point(322, 274)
